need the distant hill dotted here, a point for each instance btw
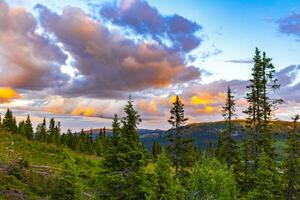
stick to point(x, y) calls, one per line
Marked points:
point(203, 133)
point(207, 132)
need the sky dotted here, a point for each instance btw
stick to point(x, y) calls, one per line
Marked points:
point(79, 60)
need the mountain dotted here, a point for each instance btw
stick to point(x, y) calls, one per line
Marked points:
point(208, 132)
point(202, 133)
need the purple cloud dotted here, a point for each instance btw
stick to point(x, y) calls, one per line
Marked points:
point(109, 64)
point(139, 16)
point(28, 60)
point(290, 25)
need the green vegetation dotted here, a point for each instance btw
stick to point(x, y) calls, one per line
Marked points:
point(46, 164)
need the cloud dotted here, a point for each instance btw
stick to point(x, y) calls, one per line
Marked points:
point(290, 25)
point(241, 61)
point(110, 65)
point(146, 20)
point(290, 84)
point(8, 94)
point(28, 60)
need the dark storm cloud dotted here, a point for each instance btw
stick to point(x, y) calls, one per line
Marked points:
point(109, 64)
point(139, 16)
point(27, 60)
point(290, 25)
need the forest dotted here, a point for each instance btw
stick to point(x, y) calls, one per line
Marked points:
point(116, 165)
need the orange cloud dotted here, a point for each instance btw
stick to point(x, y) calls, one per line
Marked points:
point(8, 94)
point(149, 107)
point(85, 111)
point(207, 98)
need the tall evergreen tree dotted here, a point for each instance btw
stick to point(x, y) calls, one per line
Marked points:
point(292, 163)
point(267, 181)
point(228, 149)
point(122, 166)
point(260, 107)
point(165, 186)
point(28, 128)
point(156, 149)
point(68, 187)
point(179, 143)
point(9, 121)
point(259, 114)
point(116, 129)
point(41, 131)
point(51, 131)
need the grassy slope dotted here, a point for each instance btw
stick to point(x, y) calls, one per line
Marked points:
point(42, 158)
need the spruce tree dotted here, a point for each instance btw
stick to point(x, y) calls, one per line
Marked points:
point(51, 131)
point(180, 144)
point(122, 167)
point(292, 163)
point(68, 187)
point(41, 131)
point(259, 114)
point(28, 128)
point(156, 149)
point(166, 187)
point(115, 130)
point(261, 106)
point(9, 122)
point(228, 148)
point(267, 181)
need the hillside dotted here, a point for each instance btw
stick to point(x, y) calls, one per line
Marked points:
point(208, 132)
point(28, 169)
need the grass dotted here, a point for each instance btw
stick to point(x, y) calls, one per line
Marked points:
point(41, 156)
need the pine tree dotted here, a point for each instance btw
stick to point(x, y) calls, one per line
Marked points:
point(22, 128)
point(122, 167)
point(179, 143)
point(28, 128)
point(9, 121)
point(260, 105)
point(41, 131)
point(51, 131)
point(292, 163)
point(156, 149)
point(68, 187)
point(115, 130)
point(259, 113)
point(228, 149)
point(267, 181)
point(165, 186)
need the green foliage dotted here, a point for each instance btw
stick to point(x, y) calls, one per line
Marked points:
point(212, 180)
point(41, 131)
point(291, 164)
point(68, 187)
point(228, 148)
point(267, 181)
point(34, 167)
point(165, 186)
point(156, 149)
point(180, 146)
point(122, 173)
point(9, 122)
